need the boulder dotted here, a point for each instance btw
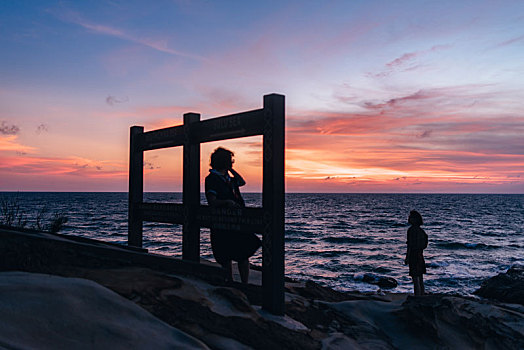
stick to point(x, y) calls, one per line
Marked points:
point(381, 281)
point(507, 287)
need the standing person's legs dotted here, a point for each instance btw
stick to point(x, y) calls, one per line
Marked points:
point(422, 292)
point(243, 269)
point(416, 284)
point(229, 271)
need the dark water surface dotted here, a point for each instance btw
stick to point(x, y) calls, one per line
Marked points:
point(334, 239)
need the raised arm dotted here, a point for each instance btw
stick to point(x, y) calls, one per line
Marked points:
point(240, 180)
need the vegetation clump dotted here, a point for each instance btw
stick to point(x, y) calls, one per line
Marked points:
point(12, 215)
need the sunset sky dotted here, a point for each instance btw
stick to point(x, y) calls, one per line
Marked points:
point(381, 96)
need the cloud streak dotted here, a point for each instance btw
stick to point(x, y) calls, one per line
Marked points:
point(407, 61)
point(159, 45)
point(510, 41)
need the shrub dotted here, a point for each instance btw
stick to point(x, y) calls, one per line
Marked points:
point(12, 215)
point(57, 222)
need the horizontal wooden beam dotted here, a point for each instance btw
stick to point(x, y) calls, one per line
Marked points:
point(171, 213)
point(232, 126)
point(239, 219)
point(162, 138)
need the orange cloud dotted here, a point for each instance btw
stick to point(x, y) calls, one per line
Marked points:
point(47, 166)
point(10, 143)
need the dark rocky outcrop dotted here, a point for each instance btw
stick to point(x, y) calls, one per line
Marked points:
point(195, 312)
point(226, 315)
point(457, 322)
point(507, 287)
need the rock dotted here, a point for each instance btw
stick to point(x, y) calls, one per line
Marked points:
point(227, 316)
point(456, 322)
point(506, 287)
point(235, 298)
point(332, 319)
point(313, 290)
point(387, 282)
point(424, 322)
point(381, 281)
point(39, 311)
point(218, 316)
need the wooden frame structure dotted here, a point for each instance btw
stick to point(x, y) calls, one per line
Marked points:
point(268, 220)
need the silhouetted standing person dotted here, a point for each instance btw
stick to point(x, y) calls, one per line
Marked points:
point(222, 190)
point(417, 242)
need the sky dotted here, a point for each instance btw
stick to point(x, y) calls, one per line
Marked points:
point(381, 96)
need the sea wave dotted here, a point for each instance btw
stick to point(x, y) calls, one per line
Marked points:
point(338, 226)
point(465, 245)
point(297, 240)
point(385, 223)
point(437, 264)
point(328, 253)
point(339, 240)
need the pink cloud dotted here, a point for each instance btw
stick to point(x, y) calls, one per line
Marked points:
point(402, 60)
point(407, 61)
point(511, 41)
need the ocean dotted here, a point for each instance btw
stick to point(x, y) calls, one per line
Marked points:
point(335, 239)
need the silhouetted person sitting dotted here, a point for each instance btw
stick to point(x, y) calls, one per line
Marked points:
point(222, 190)
point(417, 242)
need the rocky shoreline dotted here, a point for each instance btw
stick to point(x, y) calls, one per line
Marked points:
point(222, 316)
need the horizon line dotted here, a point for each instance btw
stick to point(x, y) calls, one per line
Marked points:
point(292, 192)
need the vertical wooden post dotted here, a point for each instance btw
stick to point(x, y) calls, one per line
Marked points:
point(136, 187)
point(191, 191)
point(273, 204)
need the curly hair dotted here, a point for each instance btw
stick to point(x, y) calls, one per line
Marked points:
point(221, 158)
